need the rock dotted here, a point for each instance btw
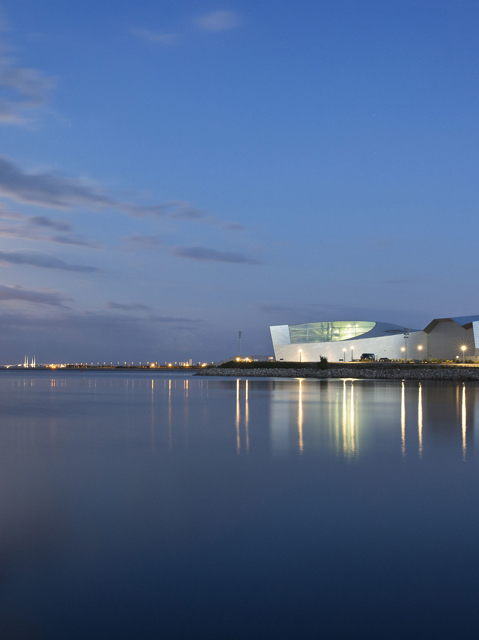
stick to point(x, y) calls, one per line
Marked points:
point(372, 373)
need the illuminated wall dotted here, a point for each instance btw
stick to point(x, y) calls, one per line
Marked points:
point(348, 340)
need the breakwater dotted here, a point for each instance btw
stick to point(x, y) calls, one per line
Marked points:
point(400, 372)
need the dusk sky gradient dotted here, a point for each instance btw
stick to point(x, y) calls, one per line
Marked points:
point(173, 172)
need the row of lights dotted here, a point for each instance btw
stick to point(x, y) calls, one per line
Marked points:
point(463, 349)
point(403, 349)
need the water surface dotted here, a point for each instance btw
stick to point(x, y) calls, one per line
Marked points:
point(139, 505)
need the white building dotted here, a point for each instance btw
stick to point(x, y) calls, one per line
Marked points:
point(445, 338)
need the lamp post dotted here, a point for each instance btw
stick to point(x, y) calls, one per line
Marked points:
point(419, 348)
point(344, 355)
point(300, 355)
point(403, 349)
point(463, 349)
point(352, 354)
point(406, 338)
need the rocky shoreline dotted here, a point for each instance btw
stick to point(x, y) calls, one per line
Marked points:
point(369, 373)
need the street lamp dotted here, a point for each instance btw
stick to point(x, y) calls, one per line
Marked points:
point(463, 349)
point(344, 355)
point(419, 346)
point(300, 355)
point(352, 354)
point(403, 349)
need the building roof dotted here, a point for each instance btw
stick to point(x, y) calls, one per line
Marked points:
point(463, 321)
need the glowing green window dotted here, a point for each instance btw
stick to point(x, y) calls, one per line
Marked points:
point(328, 331)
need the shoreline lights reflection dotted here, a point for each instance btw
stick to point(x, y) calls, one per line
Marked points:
point(349, 437)
point(347, 419)
point(238, 416)
point(419, 419)
point(463, 421)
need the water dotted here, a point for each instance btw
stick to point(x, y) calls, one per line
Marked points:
point(138, 505)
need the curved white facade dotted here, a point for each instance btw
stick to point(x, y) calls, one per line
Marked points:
point(348, 340)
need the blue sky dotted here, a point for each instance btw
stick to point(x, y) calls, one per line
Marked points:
point(173, 172)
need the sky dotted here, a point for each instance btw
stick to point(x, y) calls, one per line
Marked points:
point(174, 172)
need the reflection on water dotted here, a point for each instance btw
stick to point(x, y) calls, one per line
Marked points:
point(300, 417)
point(346, 417)
point(419, 419)
point(238, 416)
point(219, 496)
point(246, 416)
point(350, 416)
point(463, 420)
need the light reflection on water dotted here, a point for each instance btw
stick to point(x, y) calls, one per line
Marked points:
point(215, 500)
point(345, 417)
point(325, 407)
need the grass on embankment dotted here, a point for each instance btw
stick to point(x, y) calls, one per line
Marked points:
point(324, 364)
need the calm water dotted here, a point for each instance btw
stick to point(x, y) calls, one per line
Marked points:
point(154, 506)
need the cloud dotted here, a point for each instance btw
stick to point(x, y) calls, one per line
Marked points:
point(48, 189)
point(156, 37)
point(219, 21)
point(42, 221)
point(22, 90)
point(43, 261)
point(55, 190)
point(58, 334)
point(73, 239)
point(233, 226)
point(128, 307)
point(6, 214)
point(22, 232)
point(202, 254)
point(185, 212)
point(143, 242)
point(20, 226)
point(37, 297)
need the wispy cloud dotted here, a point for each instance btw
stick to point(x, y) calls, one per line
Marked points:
point(16, 292)
point(6, 214)
point(155, 36)
point(42, 260)
point(128, 307)
point(23, 231)
point(74, 240)
point(38, 228)
point(219, 21)
point(49, 189)
point(42, 221)
point(233, 226)
point(203, 254)
point(89, 321)
point(22, 90)
point(36, 221)
point(214, 21)
point(143, 242)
